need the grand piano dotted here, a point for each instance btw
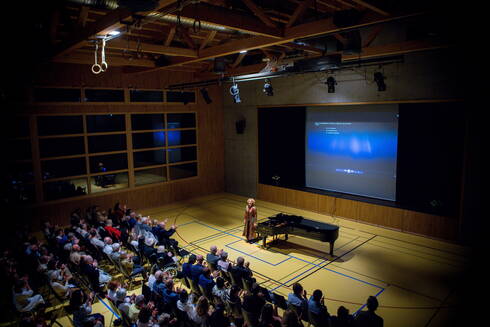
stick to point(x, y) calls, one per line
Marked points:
point(299, 226)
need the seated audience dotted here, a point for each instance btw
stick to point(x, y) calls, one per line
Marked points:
point(197, 268)
point(291, 319)
point(24, 298)
point(223, 263)
point(81, 306)
point(219, 290)
point(269, 317)
point(316, 306)
point(343, 318)
point(298, 300)
point(254, 301)
point(369, 318)
point(213, 257)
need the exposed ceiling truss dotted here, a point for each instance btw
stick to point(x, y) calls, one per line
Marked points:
point(188, 35)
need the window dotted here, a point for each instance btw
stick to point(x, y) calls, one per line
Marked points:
point(107, 143)
point(149, 158)
point(57, 95)
point(147, 121)
point(150, 176)
point(59, 125)
point(145, 96)
point(82, 154)
point(106, 123)
point(181, 137)
point(183, 120)
point(148, 140)
point(181, 97)
point(63, 168)
point(64, 189)
point(104, 95)
point(108, 182)
point(182, 154)
point(183, 171)
point(110, 162)
point(62, 146)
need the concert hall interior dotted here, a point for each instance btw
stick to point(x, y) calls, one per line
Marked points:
point(240, 163)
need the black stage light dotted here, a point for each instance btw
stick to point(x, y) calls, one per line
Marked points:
point(268, 90)
point(235, 93)
point(380, 81)
point(331, 82)
point(205, 96)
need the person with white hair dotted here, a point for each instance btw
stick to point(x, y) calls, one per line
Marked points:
point(123, 302)
point(116, 252)
point(108, 245)
point(148, 250)
point(223, 263)
point(213, 257)
point(62, 290)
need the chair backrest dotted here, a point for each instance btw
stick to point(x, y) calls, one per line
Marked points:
point(235, 280)
point(252, 319)
point(300, 311)
point(318, 320)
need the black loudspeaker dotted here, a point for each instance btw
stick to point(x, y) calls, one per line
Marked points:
point(205, 96)
point(240, 126)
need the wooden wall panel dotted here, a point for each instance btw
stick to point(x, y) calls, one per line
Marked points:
point(210, 138)
point(395, 218)
point(380, 215)
point(326, 204)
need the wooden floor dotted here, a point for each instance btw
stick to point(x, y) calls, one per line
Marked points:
point(414, 278)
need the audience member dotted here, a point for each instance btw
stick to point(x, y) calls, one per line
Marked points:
point(343, 318)
point(269, 317)
point(369, 318)
point(298, 300)
point(316, 306)
point(81, 306)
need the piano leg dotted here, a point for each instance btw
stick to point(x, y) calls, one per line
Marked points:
point(331, 248)
point(286, 237)
point(264, 241)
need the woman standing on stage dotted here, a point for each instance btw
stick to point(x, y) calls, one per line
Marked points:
point(250, 220)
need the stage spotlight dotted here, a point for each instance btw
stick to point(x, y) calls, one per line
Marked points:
point(205, 96)
point(331, 82)
point(235, 93)
point(380, 81)
point(268, 90)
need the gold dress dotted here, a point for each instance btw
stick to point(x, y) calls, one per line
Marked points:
point(250, 219)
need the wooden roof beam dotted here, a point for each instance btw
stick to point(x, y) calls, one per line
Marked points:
point(371, 7)
point(119, 44)
point(320, 27)
point(299, 12)
point(259, 13)
point(230, 19)
point(107, 23)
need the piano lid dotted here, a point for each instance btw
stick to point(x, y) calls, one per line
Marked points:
point(301, 221)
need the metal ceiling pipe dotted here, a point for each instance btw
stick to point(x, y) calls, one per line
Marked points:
point(100, 4)
point(190, 22)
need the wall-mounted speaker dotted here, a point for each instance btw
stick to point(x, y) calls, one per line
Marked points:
point(240, 126)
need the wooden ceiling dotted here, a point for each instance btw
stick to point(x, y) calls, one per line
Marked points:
point(188, 35)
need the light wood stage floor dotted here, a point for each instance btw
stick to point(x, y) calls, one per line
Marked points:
point(415, 279)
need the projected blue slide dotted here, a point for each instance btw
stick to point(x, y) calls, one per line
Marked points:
point(352, 149)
